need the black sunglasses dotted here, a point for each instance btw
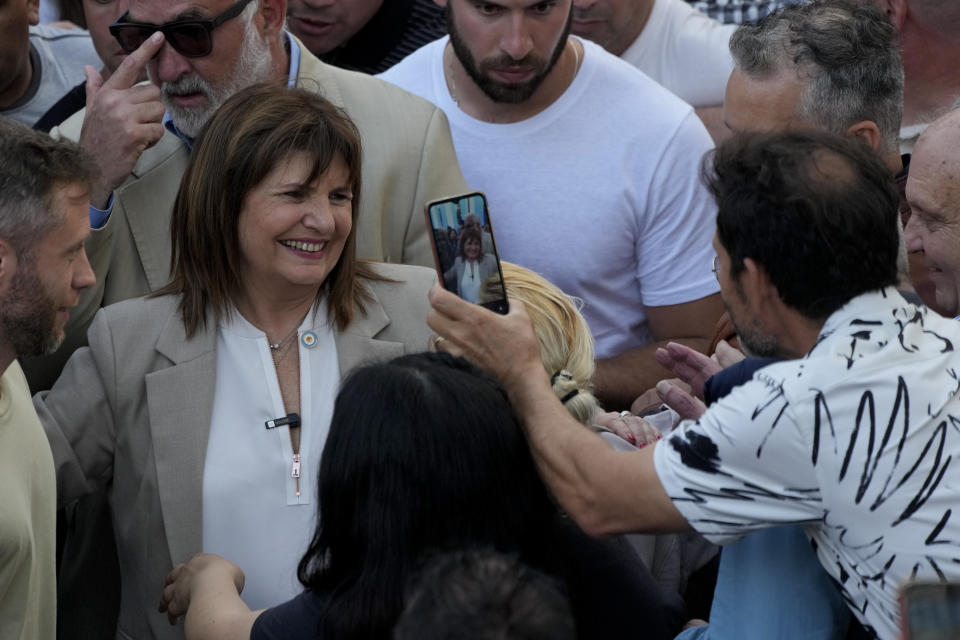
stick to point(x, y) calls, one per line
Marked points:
point(193, 38)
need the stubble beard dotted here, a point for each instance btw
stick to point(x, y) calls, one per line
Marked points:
point(28, 315)
point(754, 340)
point(253, 66)
point(500, 92)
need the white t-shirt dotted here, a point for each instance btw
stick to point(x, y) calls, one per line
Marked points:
point(856, 441)
point(599, 192)
point(59, 55)
point(685, 51)
point(251, 512)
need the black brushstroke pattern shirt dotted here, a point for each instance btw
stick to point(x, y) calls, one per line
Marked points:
point(856, 441)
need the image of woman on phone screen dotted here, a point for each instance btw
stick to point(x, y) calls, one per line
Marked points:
point(472, 266)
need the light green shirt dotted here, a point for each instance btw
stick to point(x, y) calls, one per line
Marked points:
point(28, 502)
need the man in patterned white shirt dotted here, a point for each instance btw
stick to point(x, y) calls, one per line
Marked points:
point(852, 436)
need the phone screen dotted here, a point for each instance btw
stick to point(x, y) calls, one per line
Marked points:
point(465, 252)
point(931, 611)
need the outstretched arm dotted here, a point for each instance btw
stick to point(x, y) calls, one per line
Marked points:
point(605, 491)
point(207, 589)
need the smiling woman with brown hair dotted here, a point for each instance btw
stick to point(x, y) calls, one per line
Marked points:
point(202, 406)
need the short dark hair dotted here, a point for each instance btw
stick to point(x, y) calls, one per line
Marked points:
point(32, 166)
point(245, 139)
point(484, 595)
point(470, 233)
point(424, 453)
point(846, 52)
point(816, 211)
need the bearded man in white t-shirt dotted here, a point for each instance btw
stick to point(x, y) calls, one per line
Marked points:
point(591, 173)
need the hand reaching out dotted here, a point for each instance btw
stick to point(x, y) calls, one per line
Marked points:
point(687, 406)
point(631, 428)
point(691, 366)
point(201, 567)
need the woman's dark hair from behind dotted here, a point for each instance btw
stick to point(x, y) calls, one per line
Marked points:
point(424, 454)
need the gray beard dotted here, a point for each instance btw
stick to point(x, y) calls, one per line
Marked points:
point(253, 66)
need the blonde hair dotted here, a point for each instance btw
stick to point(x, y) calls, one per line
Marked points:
point(566, 344)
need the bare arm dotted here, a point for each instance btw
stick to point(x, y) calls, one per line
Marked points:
point(620, 379)
point(207, 589)
point(603, 490)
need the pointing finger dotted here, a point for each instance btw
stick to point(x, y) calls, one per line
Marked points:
point(129, 70)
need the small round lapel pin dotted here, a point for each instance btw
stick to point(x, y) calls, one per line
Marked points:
point(308, 339)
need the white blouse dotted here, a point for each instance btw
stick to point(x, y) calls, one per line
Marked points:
point(470, 282)
point(252, 514)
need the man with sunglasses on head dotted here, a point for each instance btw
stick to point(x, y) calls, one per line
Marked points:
point(197, 54)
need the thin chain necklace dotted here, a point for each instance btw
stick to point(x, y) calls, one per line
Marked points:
point(453, 77)
point(277, 346)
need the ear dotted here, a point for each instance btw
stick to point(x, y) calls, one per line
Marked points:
point(8, 266)
point(895, 10)
point(33, 11)
point(756, 283)
point(273, 13)
point(866, 131)
point(440, 3)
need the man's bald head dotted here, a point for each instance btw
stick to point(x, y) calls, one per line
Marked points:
point(933, 190)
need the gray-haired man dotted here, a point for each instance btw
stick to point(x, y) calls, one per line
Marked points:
point(44, 189)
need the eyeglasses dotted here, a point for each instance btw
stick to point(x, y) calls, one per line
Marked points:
point(192, 38)
point(716, 267)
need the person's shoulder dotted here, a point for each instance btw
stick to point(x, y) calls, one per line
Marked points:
point(14, 380)
point(399, 278)
point(401, 295)
point(49, 33)
point(69, 48)
point(418, 72)
point(637, 93)
point(144, 313)
point(416, 63)
point(295, 619)
point(370, 101)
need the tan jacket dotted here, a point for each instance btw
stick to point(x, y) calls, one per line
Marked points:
point(132, 412)
point(408, 160)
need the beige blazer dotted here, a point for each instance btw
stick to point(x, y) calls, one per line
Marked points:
point(408, 160)
point(131, 412)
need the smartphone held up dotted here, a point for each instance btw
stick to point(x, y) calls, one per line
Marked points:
point(465, 252)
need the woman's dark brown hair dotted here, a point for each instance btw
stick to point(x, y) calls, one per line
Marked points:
point(244, 140)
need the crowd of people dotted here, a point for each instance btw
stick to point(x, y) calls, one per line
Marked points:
point(247, 375)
